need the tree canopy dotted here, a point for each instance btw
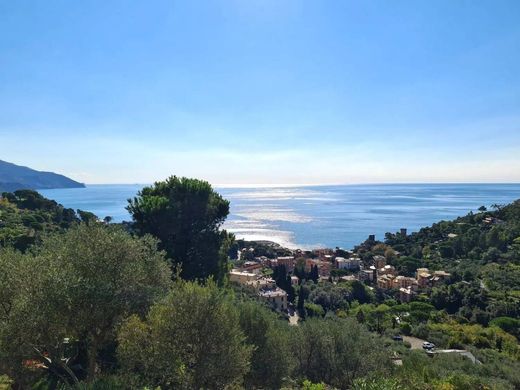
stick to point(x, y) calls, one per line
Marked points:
point(75, 289)
point(186, 216)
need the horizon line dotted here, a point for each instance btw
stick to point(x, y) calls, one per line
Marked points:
point(293, 185)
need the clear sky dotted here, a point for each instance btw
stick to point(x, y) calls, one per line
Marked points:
point(262, 91)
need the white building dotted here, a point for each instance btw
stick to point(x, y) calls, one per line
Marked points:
point(352, 263)
point(276, 297)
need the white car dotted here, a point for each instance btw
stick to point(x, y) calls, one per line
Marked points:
point(428, 346)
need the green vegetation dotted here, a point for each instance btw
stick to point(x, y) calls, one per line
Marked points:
point(89, 305)
point(62, 303)
point(185, 215)
point(25, 216)
point(15, 177)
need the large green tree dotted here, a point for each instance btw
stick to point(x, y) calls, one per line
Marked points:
point(271, 360)
point(337, 352)
point(74, 291)
point(190, 340)
point(186, 215)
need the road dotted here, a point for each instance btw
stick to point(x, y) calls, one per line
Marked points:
point(414, 342)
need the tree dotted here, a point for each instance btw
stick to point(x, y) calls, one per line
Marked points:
point(360, 316)
point(77, 287)
point(190, 340)
point(271, 357)
point(314, 275)
point(87, 216)
point(185, 214)
point(301, 302)
point(360, 292)
point(289, 289)
point(336, 351)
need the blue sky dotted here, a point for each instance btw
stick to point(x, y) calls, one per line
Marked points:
point(262, 92)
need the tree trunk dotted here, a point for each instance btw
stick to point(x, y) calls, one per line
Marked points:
point(92, 361)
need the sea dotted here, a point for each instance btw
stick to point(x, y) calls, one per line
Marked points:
point(316, 216)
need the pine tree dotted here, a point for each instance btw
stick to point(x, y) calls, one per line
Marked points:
point(301, 303)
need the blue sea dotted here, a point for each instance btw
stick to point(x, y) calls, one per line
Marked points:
point(317, 216)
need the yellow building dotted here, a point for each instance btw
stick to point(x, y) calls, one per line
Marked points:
point(241, 277)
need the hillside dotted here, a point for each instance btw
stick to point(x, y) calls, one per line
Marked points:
point(25, 216)
point(14, 177)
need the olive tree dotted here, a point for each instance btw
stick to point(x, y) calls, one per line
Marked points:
point(336, 352)
point(75, 290)
point(190, 340)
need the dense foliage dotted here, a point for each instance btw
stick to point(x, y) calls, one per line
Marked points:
point(25, 215)
point(87, 305)
point(185, 215)
point(61, 304)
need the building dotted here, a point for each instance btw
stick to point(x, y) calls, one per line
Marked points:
point(241, 277)
point(260, 284)
point(352, 263)
point(439, 277)
point(295, 280)
point(423, 277)
point(420, 271)
point(366, 275)
point(347, 278)
point(288, 261)
point(406, 294)
point(404, 282)
point(276, 297)
point(387, 270)
point(426, 279)
point(379, 261)
point(328, 258)
point(385, 282)
point(252, 266)
point(321, 253)
point(323, 267)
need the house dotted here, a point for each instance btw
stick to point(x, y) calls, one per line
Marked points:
point(351, 263)
point(405, 282)
point(276, 297)
point(288, 261)
point(406, 294)
point(366, 275)
point(323, 267)
point(295, 280)
point(328, 258)
point(439, 277)
point(260, 284)
point(423, 277)
point(347, 278)
point(321, 253)
point(241, 277)
point(385, 282)
point(379, 261)
point(426, 279)
point(387, 270)
point(252, 266)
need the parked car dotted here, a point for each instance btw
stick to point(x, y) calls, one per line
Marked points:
point(397, 338)
point(428, 346)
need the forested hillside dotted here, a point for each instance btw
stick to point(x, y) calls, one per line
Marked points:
point(15, 177)
point(86, 304)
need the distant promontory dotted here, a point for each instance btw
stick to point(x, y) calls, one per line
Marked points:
point(15, 177)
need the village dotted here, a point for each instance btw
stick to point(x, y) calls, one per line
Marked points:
point(330, 265)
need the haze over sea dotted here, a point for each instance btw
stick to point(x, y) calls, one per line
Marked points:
point(317, 216)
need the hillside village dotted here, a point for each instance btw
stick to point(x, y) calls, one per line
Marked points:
point(333, 266)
